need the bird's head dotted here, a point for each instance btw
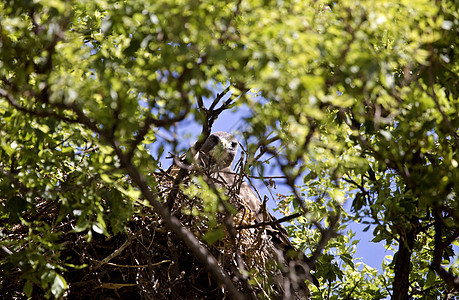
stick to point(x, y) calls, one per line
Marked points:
point(220, 148)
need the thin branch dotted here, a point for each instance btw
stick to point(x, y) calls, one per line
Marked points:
point(200, 103)
point(134, 266)
point(37, 113)
point(271, 223)
point(348, 296)
point(326, 235)
point(211, 114)
point(361, 187)
point(158, 123)
point(114, 253)
point(6, 250)
point(218, 98)
point(263, 145)
point(267, 177)
point(115, 286)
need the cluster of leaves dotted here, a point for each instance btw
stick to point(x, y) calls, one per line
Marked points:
point(362, 96)
point(365, 97)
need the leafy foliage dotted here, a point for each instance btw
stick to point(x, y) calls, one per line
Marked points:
point(355, 102)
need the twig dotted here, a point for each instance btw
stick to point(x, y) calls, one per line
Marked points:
point(36, 113)
point(348, 296)
point(271, 223)
point(135, 266)
point(115, 286)
point(267, 177)
point(115, 253)
point(326, 235)
point(157, 122)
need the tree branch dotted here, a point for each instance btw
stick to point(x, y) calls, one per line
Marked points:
point(37, 113)
point(440, 247)
point(270, 223)
point(158, 123)
point(326, 235)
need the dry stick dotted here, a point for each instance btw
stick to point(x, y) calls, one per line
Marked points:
point(134, 266)
point(115, 253)
point(271, 223)
point(115, 286)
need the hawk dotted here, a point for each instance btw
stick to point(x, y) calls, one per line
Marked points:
point(216, 157)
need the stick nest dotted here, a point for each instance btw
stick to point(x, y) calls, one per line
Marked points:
point(147, 261)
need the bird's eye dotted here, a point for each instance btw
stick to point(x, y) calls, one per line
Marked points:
point(233, 144)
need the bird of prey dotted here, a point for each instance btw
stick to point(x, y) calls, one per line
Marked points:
point(216, 156)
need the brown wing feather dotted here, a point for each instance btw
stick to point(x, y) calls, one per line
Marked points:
point(277, 232)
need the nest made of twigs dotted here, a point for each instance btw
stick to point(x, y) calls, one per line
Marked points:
point(147, 260)
point(252, 245)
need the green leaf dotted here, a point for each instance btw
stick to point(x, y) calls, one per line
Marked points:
point(378, 238)
point(359, 202)
point(106, 178)
point(28, 288)
point(59, 286)
point(347, 259)
point(431, 278)
point(82, 224)
point(213, 235)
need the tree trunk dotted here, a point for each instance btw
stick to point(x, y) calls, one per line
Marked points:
point(402, 266)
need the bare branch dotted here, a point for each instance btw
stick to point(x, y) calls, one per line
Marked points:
point(115, 286)
point(440, 246)
point(326, 235)
point(115, 253)
point(37, 113)
point(157, 122)
point(271, 223)
point(217, 99)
